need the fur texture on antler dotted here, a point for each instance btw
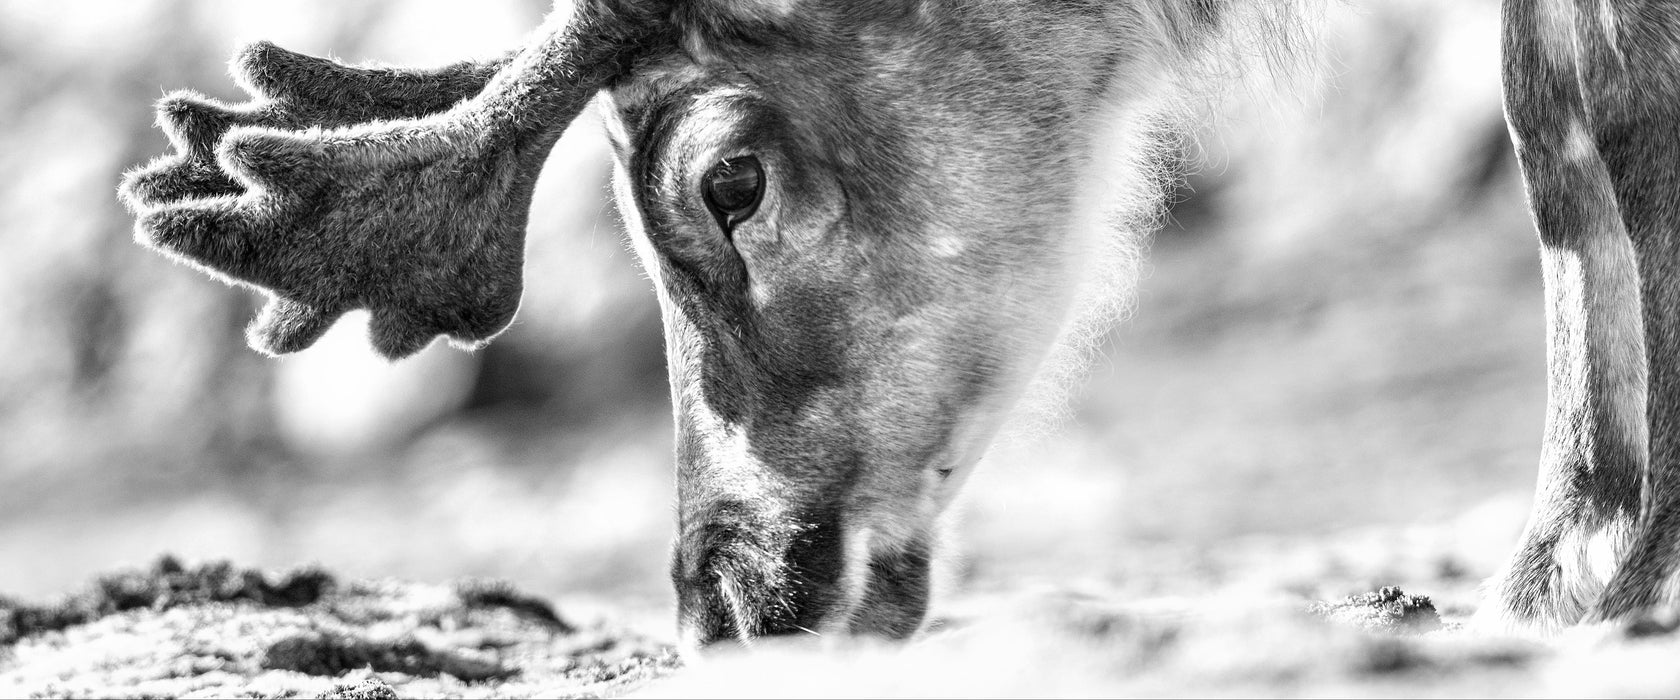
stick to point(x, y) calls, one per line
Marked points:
point(403, 192)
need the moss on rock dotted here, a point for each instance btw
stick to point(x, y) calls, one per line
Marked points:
point(218, 630)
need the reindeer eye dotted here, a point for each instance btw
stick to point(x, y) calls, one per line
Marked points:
point(732, 190)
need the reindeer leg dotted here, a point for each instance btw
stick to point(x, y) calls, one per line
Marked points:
point(1637, 105)
point(1588, 498)
point(1645, 580)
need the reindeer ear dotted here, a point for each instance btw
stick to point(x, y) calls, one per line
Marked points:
point(402, 192)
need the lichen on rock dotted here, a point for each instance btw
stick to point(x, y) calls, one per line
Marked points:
point(1388, 609)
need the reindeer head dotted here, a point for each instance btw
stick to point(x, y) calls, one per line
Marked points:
point(862, 221)
point(861, 218)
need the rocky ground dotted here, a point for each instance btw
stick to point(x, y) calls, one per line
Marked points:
point(215, 630)
point(219, 631)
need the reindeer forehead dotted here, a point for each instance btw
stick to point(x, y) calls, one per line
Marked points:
point(753, 9)
point(763, 43)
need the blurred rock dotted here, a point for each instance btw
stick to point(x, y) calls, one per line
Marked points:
point(340, 398)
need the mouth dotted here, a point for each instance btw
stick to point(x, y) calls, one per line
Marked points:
point(749, 571)
point(826, 579)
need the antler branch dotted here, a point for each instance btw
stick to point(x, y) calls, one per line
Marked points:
point(292, 91)
point(403, 192)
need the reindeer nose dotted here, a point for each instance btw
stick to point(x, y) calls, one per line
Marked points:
point(724, 603)
point(742, 575)
point(709, 618)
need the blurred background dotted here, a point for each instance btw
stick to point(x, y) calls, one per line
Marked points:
point(1339, 339)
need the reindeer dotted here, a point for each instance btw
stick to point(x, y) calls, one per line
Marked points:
point(868, 223)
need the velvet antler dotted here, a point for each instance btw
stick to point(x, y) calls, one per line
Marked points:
point(402, 192)
point(292, 92)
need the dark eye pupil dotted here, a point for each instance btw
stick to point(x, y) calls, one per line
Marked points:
point(733, 189)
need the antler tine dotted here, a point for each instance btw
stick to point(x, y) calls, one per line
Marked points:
point(293, 91)
point(357, 94)
point(344, 188)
